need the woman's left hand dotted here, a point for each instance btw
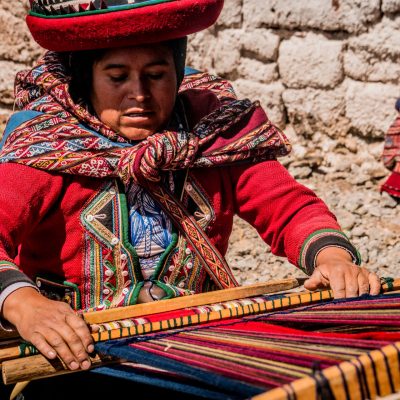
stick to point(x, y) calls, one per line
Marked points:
point(336, 270)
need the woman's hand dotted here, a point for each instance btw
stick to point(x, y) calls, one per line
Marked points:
point(336, 270)
point(51, 326)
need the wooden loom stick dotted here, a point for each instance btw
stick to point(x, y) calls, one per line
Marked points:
point(217, 296)
point(390, 285)
point(177, 303)
point(295, 299)
point(9, 353)
point(19, 387)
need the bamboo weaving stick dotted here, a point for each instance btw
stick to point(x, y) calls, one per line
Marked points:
point(217, 296)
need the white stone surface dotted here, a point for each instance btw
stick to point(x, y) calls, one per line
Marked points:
point(310, 61)
point(263, 44)
point(265, 73)
point(346, 15)
point(16, 42)
point(227, 52)
point(200, 53)
point(375, 56)
point(311, 110)
point(16, 8)
point(8, 70)
point(369, 106)
point(270, 96)
point(231, 15)
point(391, 6)
point(314, 62)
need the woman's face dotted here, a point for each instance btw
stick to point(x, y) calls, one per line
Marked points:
point(134, 89)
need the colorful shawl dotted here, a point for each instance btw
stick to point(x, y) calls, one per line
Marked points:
point(67, 138)
point(63, 136)
point(391, 156)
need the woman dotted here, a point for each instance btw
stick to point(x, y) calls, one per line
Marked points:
point(106, 162)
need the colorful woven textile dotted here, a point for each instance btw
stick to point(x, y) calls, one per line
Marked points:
point(285, 349)
point(298, 345)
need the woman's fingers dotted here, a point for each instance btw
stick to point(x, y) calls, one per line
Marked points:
point(360, 281)
point(70, 347)
point(316, 281)
point(62, 341)
point(51, 326)
point(338, 286)
point(374, 284)
point(41, 344)
point(57, 340)
point(51, 345)
point(351, 275)
point(82, 331)
point(345, 279)
point(363, 282)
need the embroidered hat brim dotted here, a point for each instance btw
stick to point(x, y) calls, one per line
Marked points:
point(73, 25)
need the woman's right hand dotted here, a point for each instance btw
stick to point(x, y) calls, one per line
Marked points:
point(51, 326)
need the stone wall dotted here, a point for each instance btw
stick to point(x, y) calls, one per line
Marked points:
point(329, 66)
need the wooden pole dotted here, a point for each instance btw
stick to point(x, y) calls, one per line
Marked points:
point(37, 367)
point(195, 300)
point(19, 387)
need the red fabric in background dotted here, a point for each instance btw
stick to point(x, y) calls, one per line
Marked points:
point(392, 184)
point(391, 157)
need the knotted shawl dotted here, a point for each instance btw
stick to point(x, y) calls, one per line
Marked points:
point(67, 138)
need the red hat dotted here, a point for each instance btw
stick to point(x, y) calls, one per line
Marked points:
point(72, 25)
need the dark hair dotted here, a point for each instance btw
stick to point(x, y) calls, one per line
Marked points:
point(80, 65)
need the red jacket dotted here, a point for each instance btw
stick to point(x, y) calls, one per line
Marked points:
point(73, 229)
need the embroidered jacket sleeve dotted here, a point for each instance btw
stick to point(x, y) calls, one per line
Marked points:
point(288, 216)
point(25, 196)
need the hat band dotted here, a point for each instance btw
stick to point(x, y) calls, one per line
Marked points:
point(76, 8)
